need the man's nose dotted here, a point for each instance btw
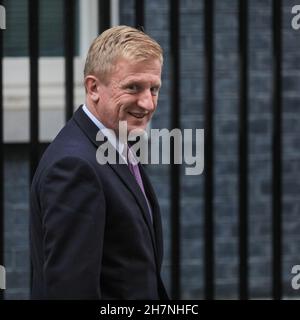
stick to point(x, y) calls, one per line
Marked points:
point(146, 100)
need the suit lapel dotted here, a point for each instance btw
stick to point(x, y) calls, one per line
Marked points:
point(128, 179)
point(122, 170)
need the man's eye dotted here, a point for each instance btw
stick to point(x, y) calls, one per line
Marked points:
point(133, 87)
point(154, 90)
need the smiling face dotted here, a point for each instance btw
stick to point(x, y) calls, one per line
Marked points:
point(129, 94)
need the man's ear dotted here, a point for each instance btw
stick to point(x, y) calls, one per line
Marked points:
point(92, 87)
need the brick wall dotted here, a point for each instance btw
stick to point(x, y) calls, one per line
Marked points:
point(16, 236)
point(226, 143)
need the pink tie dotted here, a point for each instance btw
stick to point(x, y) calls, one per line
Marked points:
point(134, 169)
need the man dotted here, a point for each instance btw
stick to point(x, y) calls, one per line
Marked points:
point(95, 229)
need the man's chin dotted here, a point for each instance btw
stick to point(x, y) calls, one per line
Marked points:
point(136, 130)
point(133, 129)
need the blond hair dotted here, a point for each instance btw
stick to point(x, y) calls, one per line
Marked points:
point(119, 42)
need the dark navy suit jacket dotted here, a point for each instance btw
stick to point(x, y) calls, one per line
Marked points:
point(91, 235)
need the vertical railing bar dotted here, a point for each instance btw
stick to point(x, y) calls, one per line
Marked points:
point(139, 14)
point(104, 15)
point(243, 150)
point(33, 27)
point(69, 32)
point(277, 150)
point(175, 123)
point(209, 152)
point(1, 159)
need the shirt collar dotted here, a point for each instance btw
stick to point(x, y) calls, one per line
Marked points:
point(112, 138)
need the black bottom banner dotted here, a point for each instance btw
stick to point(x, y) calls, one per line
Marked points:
point(187, 309)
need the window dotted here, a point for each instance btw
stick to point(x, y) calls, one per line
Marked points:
point(51, 26)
